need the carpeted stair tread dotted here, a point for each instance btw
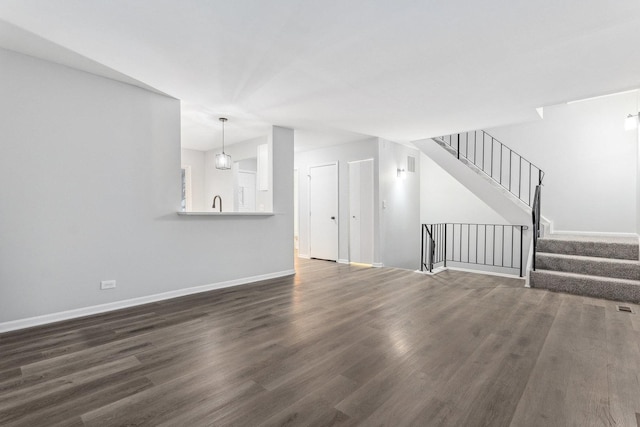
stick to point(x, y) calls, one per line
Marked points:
point(601, 247)
point(594, 266)
point(587, 285)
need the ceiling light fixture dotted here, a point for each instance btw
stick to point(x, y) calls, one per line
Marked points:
point(631, 122)
point(223, 161)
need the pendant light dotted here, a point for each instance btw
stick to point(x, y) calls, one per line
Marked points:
point(223, 161)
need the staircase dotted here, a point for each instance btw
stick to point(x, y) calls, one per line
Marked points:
point(597, 267)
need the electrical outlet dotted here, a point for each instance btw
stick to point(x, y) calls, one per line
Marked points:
point(107, 284)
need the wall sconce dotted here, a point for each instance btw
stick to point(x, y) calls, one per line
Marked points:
point(402, 174)
point(631, 122)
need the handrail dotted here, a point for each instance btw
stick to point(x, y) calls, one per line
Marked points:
point(484, 152)
point(494, 245)
point(535, 216)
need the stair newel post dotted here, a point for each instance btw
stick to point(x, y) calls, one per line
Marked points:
point(432, 251)
point(422, 248)
point(521, 238)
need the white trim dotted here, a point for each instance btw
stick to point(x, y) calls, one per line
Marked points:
point(377, 265)
point(529, 263)
point(488, 273)
point(468, 270)
point(305, 256)
point(343, 261)
point(434, 272)
point(591, 233)
point(102, 308)
point(227, 213)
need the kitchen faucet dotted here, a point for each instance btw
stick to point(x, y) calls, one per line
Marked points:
point(214, 202)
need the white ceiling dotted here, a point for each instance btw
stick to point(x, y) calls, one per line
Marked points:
point(341, 70)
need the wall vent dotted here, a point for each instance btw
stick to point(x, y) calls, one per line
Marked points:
point(411, 164)
point(625, 308)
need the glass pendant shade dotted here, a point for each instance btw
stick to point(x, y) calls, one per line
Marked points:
point(223, 161)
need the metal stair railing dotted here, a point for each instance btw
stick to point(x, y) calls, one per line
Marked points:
point(494, 245)
point(503, 165)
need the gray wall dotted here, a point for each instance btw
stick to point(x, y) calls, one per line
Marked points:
point(400, 219)
point(590, 163)
point(90, 172)
point(444, 199)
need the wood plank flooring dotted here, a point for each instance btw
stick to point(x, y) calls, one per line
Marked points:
point(334, 345)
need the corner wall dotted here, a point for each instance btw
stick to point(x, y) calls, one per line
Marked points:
point(91, 185)
point(399, 207)
point(591, 183)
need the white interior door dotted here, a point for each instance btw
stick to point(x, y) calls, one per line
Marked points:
point(361, 211)
point(323, 212)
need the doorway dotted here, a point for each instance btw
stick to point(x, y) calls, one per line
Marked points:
point(361, 211)
point(323, 212)
point(245, 191)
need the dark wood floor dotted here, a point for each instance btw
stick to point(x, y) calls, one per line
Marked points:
point(334, 345)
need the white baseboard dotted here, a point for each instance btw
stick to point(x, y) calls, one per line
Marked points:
point(469, 270)
point(591, 234)
point(377, 264)
point(305, 256)
point(102, 308)
point(343, 261)
point(432, 273)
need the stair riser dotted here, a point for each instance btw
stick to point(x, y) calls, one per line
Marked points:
point(586, 286)
point(593, 249)
point(594, 268)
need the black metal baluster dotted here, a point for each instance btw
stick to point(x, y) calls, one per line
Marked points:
point(476, 243)
point(510, 171)
point(453, 242)
point(460, 242)
point(529, 188)
point(501, 150)
point(492, 144)
point(512, 248)
point(445, 244)
point(468, 242)
point(482, 150)
point(521, 234)
point(485, 244)
point(493, 259)
point(466, 148)
point(475, 146)
point(502, 259)
point(520, 178)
